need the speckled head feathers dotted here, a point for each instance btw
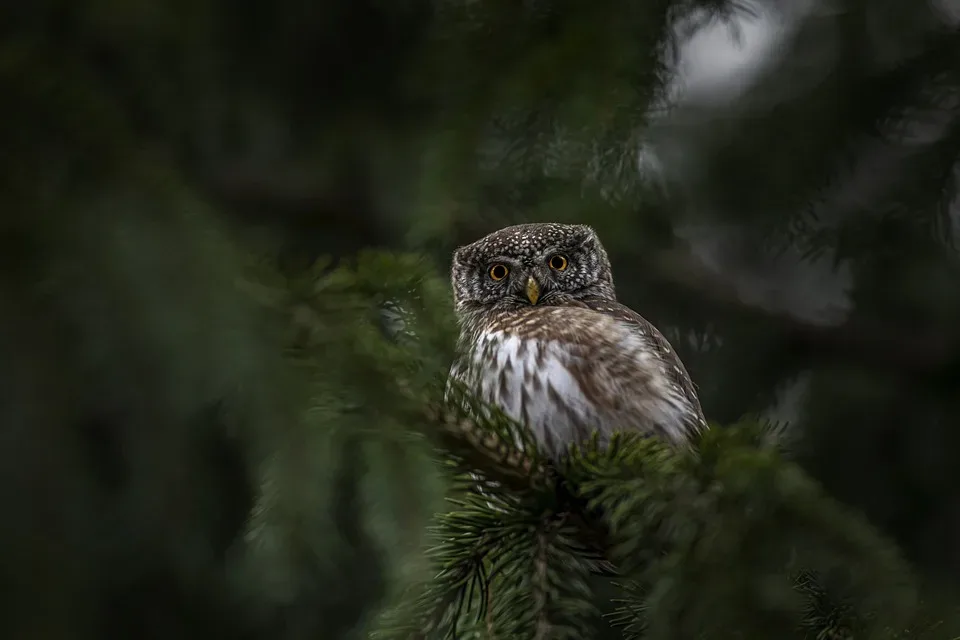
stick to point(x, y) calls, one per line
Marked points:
point(529, 240)
point(526, 249)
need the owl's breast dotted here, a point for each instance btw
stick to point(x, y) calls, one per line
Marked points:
point(572, 373)
point(536, 383)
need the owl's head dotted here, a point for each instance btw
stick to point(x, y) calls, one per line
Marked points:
point(531, 264)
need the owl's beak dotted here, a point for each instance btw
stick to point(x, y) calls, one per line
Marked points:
point(533, 290)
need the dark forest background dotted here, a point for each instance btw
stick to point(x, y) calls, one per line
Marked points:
point(202, 434)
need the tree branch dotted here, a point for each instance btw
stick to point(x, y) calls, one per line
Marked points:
point(481, 450)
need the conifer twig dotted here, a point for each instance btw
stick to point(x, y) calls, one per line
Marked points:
point(541, 588)
point(487, 451)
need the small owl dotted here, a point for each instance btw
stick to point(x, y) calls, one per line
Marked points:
point(543, 338)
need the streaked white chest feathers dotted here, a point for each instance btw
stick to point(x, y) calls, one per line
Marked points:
point(562, 385)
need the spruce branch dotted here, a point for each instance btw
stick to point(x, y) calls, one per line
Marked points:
point(541, 589)
point(630, 615)
point(677, 526)
point(503, 569)
point(673, 525)
point(476, 448)
point(712, 539)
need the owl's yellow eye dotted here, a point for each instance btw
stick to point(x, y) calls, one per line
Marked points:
point(557, 262)
point(499, 271)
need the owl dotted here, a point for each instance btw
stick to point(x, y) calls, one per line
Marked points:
point(543, 338)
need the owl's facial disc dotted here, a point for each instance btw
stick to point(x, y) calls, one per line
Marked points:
point(533, 290)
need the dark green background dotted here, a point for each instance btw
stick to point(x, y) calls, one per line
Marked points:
point(155, 154)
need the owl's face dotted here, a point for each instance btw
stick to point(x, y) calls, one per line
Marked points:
point(531, 264)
